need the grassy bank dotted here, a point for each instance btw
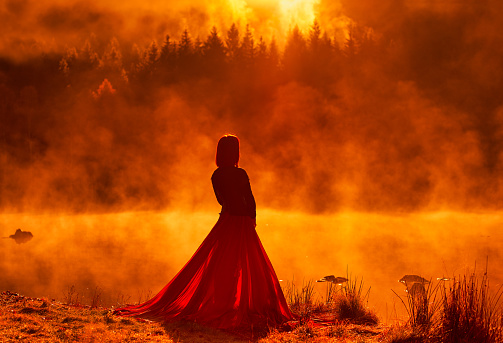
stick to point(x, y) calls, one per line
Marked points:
point(43, 320)
point(462, 309)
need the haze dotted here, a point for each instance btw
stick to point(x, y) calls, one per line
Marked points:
point(387, 108)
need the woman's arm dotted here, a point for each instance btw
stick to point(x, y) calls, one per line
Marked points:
point(217, 193)
point(249, 199)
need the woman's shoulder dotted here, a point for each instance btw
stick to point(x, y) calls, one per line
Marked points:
point(242, 171)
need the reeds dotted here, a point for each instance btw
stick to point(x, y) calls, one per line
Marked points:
point(465, 311)
point(72, 296)
point(351, 304)
point(470, 313)
point(421, 304)
point(96, 297)
point(301, 300)
point(348, 303)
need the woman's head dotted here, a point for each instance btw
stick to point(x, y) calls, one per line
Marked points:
point(228, 151)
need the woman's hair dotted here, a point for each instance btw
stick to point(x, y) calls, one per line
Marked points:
point(228, 151)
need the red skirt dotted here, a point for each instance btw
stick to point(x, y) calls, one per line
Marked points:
point(229, 282)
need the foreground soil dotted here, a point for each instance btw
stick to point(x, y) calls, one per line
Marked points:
point(24, 319)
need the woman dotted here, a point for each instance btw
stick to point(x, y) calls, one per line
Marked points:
point(229, 282)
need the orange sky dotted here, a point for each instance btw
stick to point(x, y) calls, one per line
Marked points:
point(30, 26)
point(33, 26)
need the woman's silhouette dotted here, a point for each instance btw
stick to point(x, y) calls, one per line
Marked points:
point(229, 282)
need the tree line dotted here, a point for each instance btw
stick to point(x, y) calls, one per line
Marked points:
point(379, 111)
point(313, 57)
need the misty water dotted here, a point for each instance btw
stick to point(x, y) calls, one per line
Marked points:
point(131, 256)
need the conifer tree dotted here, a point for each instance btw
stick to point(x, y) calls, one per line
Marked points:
point(214, 44)
point(111, 62)
point(314, 39)
point(232, 43)
point(88, 58)
point(214, 53)
point(168, 50)
point(167, 58)
point(153, 53)
point(273, 55)
point(261, 50)
point(68, 61)
point(185, 52)
point(294, 56)
point(185, 47)
point(213, 47)
point(247, 48)
point(197, 47)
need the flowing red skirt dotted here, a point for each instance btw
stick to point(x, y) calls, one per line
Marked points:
point(229, 282)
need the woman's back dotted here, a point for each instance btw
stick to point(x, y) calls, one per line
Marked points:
point(233, 191)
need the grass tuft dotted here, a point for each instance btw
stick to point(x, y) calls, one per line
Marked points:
point(422, 305)
point(351, 304)
point(347, 302)
point(96, 297)
point(466, 311)
point(72, 297)
point(470, 313)
point(301, 300)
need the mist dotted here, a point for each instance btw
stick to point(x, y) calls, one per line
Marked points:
point(128, 257)
point(110, 115)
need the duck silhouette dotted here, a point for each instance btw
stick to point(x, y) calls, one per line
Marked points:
point(331, 278)
point(412, 279)
point(21, 236)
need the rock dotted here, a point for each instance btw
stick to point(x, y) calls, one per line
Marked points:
point(21, 236)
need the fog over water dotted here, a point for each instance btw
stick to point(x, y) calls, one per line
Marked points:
point(371, 131)
point(130, 255)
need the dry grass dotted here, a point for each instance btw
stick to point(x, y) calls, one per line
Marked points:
point(470, 312)
point(343, 315)
point(346, 303)
point(351, 304)
point(42, 320)
point(422, 305)
point(465, 311)
point(301, 300)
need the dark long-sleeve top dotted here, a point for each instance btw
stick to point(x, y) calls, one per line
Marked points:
point(233, 191)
